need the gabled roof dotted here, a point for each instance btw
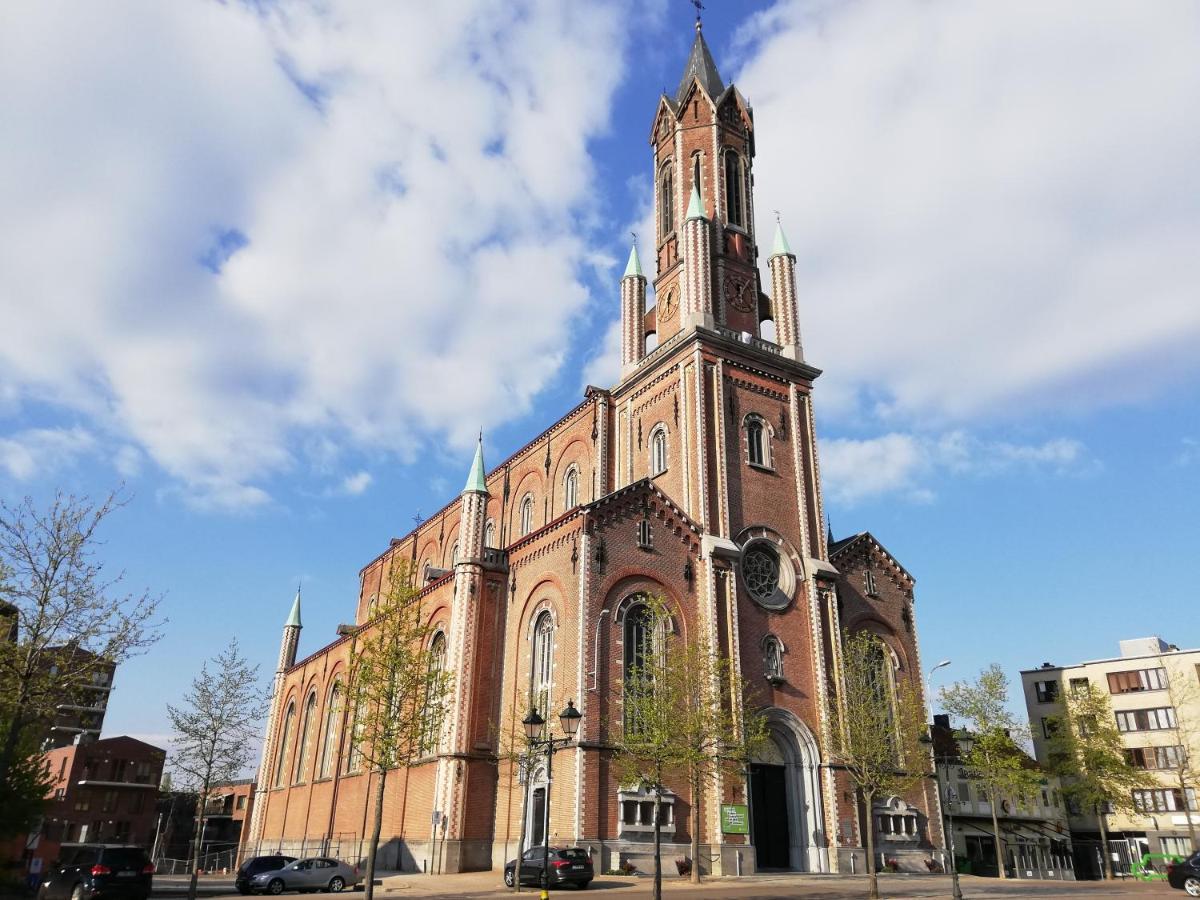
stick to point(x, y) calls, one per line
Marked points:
point(843, 546)
point(700, 66)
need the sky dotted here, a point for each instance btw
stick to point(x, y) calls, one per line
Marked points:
point(273, 265)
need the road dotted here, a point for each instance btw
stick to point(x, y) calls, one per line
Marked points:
point(766, 887)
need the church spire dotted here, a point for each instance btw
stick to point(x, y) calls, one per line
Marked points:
point(700, 66)
point(634, 266)
point(477, 478)
point(294, 616)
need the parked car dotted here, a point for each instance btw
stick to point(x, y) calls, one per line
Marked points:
point(317, 873)
point(1185, 875)
point(256, 866)
point(568, 865)
point(103, 873)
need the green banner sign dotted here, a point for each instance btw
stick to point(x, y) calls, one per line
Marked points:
point(735, 819)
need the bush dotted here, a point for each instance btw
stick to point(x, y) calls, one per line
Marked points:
point(892, 865)
point(684, 865)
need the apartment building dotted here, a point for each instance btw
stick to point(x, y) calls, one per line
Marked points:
point(1154, 688)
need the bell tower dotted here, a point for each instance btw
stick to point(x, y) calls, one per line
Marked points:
point(703, 146)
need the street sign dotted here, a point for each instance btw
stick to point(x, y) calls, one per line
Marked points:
point(735, 818)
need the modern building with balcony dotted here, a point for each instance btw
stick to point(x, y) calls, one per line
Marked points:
point(1034, 829)
point(1154, 689)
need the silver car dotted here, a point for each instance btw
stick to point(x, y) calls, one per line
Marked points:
point(316, 873)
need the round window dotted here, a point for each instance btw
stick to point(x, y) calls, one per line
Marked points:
point(760, 569)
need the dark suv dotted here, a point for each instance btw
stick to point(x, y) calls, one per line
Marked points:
point(568, 865)
point(256, 865)
point(1185, 875)
point(111, 873)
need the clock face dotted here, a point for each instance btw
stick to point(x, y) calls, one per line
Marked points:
point(737, 294)
point(667, 312)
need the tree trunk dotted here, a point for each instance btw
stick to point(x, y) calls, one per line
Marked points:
point(1187, 813)
point(376, 827)
point(695, 873)
point(1104, 857)
point(657, 844)
point(197, 842)
point(992, 801)
point(869, 832)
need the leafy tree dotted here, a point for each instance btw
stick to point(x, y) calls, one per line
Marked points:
point(1087, 752)
point(397, 687)
point(62, 620)
point(214, 732)
point(990, 754)
point(685, 713)
point(877, 738)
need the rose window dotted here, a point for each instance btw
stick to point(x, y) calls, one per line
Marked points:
point(760, 569)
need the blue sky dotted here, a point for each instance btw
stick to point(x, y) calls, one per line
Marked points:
point(273, 265)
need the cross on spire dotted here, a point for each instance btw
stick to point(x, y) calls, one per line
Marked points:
point(699, 6)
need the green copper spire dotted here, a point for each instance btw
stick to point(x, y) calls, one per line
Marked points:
point(695, 207)
point(634, 266)
point(781, 242)
point(294, 618)
point(476, 481)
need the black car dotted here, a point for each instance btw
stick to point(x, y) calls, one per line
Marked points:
point(99, 873)
point(256, 865)
point(568, 865)
point(1186, 875)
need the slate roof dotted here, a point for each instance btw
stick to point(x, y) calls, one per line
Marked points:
point(700, 65)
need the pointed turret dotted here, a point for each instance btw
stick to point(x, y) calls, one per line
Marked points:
point(633, 313)
point(291, 637)
point(477, 479)
point(701, 67)
point(782, 264)
point(697, 307)
point(294, 617)
point(695, 208)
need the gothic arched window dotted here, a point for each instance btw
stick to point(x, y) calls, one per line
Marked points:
point(735, 210)
point(758, 442)
point(489, 534)
point(526, 514)
point(571, 489)
point(284, 740)
point(542, 667)
point(666, 204)
point(658, 450)
point(639, 675)
point(306, 727)
point(333, 712)
point(454, 554)
point(437, 664)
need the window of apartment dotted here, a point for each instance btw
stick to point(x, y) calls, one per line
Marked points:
point(1176, 846)
point(109, 803)
point(1047, 691)
point(1137, 680)
point(1155, 757)
point(1164, 800)
point(1080, 687)
point(964, 792)
point(138, 802)
point(1146, 719)
point(1049, 726)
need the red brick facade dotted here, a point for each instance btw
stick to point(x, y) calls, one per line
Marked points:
point(702, 458)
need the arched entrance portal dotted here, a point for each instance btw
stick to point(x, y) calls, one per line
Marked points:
point(785, 799)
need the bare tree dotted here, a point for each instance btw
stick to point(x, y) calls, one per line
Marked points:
point(685, 714)
point(1087, 752)
point(214, 732)
point(877, 738)
point(397, 688)
point(991, 754)
point(65, 617)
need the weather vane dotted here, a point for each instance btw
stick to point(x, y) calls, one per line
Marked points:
point(699, 6)
point(776, 214)
point(634, 234)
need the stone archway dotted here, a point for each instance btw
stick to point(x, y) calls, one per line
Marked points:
point(785, 791)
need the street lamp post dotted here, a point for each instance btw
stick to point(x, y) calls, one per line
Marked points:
point(534, 726)
point(950, 798)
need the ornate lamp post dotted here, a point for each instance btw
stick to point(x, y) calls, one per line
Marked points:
point(534, 726)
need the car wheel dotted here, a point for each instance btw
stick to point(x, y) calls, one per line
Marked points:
point(509, 879)
point(1192, 886)
point(276, 886)
point(336, 884)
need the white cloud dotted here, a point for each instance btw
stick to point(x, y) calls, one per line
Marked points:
point(232, 273)
point(356, 484)
point(996, 206)
point(905, 464)
point(37, 451)
point(1189, 453)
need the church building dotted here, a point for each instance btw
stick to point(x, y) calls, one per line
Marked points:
point(694, 479)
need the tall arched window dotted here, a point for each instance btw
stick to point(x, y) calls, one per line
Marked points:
point(284, 739)
point(333, 714)
point(306, 728)
point(571, 489)
point(542, 667)
point(489, 534)
point(758, 443)
point(454, 554)
point(354, 758)
point(734, 207)
point(437, 665)
point(666, 203)
point(526, 514)
point(639, 676)
point(658, 450)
